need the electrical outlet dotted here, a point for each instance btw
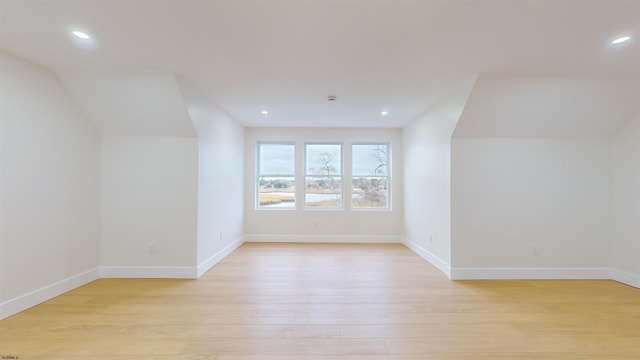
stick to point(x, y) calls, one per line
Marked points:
point(220, 236)
point(152, 249)
point(534, 250)
point(430, 237)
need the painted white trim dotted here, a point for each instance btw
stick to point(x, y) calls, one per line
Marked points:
point(531, 273)
point(33, 298)
point(148, 272)
point(626, 278)
point(429, 256)
point(216, 258)
point(304, 238)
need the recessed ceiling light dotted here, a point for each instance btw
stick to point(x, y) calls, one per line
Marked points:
point(81, 35)
point(264, 112)
point(384, 113)
point(621, 40)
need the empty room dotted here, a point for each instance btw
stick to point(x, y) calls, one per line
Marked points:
point(320, 179)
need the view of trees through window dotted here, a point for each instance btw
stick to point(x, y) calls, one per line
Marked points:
point(370, 175)
point(323, 175)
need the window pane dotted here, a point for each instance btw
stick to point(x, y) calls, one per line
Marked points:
point(323, 159)
point(370, 159)
point(277, 159)
point(277, 192)
point(276, 176)
point(323, 191)
point(370, 192)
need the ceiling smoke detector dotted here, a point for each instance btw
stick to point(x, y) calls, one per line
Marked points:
point(331, 98)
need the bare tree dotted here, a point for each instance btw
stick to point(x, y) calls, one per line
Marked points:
point(325, 163)
point(326, 171)
point(373, 189)
point(379, 153)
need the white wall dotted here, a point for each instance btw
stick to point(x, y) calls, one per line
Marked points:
point(149, 198)
point(511, 195)
point(220, 178)
point(427, 177)
point(427, 148)
point(220, 189)
point(49, 198)
point(323, 225)
point(626, 203)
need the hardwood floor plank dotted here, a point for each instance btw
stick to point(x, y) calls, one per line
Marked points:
point(290, 346)
point(329, 301)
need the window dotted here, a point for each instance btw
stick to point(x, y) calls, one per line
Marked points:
point(276, 175)
point(370, 176)
point(323, 176)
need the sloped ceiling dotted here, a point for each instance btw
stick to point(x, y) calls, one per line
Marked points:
point(130, 103)
point(287, 56)
point(202, 111)
point(549, 106)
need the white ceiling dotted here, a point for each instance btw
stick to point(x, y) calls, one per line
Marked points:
point(287, 56)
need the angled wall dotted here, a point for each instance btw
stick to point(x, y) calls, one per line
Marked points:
point(626, 203)
point(149, 171)
point(130, 103)
point(535, 106)
point(427, 177)
point(50, 184)
point(220, 178)
point(532, 180)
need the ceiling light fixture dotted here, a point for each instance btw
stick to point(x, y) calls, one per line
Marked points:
point(81, 35)
point(621, 40)
point(264, 112)
point(384, 113)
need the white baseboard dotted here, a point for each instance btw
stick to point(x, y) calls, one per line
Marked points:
point(503, 273)
point(303, 238)
point(23, 302)
point(626, 278)
point(149, 272)
point(216, 258)
point(429, 256)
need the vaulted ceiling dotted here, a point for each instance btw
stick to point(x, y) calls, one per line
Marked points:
point(543, 67)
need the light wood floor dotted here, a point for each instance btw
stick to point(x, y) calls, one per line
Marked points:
point(333, 301)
